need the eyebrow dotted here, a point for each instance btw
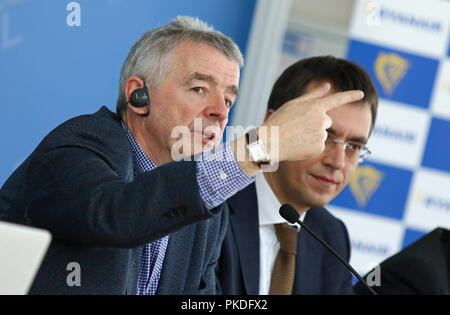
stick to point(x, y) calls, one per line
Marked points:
point(362, 140)
point(196, 76)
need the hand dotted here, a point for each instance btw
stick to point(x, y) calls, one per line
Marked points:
point(303, 123)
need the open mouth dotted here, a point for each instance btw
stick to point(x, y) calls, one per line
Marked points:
point(208, 137)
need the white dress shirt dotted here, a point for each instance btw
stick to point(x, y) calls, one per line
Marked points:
point(268, 211)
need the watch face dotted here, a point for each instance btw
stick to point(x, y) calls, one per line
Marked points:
point(257, 154)
point(257, 151)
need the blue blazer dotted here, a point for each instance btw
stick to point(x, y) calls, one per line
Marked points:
point(79, 184)
point(317, 270)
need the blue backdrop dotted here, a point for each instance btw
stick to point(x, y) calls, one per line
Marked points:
point(50, 71)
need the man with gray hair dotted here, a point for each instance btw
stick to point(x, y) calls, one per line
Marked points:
point(117, 201)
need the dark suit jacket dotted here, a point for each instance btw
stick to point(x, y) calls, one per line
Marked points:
point(79, 184)
point(317, 270)
point(421, 268)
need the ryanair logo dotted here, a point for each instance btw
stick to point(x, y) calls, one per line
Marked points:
point(390, 69)
point(364, 183)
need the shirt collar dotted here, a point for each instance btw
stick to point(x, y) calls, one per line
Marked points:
point(141, 161)
point(268, 203)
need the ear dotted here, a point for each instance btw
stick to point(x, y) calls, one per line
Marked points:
point(134, 83)
point(268, 114)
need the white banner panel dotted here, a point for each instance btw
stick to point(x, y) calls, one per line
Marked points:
point(414, 25)
point(373, 238)
point(428, 206)
point(399, 135)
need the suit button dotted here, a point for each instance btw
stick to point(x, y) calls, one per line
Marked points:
point(223, 175)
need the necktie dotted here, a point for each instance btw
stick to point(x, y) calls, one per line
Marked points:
point(284, 269)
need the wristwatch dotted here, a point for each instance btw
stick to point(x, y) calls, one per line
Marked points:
point(256, 148)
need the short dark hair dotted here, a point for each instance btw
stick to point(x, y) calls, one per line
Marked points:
point(343, 74)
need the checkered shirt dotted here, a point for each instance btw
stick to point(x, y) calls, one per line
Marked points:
point(218, 177)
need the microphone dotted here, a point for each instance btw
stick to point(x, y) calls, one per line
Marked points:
point(291, 215)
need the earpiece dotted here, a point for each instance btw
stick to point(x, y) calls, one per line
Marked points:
point(140, 98)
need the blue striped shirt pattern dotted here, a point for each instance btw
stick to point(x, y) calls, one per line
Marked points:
point(152, 255)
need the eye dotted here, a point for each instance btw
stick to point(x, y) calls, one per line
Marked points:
point(228, 103)
point(354, 146)
point(199, 90)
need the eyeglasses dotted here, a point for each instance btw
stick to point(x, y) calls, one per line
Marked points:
point(353, 151)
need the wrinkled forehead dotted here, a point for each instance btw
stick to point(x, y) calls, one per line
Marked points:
point(194, 52)
point(191, 61)
point(351, 122)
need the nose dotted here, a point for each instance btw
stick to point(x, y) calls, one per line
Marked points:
point(216, 108)
point(335, 156)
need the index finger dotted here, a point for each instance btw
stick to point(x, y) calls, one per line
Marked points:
point(341, 98)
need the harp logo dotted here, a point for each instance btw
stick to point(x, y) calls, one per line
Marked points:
point(364, 183)
point(390, 69)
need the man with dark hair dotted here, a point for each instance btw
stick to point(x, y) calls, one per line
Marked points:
point(263, 255)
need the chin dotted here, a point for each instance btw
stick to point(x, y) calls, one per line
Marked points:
point(318, 202)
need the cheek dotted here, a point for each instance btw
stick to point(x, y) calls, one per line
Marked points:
point(293, 171)
point(223, 125)
point(178, 116)
point(177, 107)
point(189, 113)
point(348, 173)
point(224, 122)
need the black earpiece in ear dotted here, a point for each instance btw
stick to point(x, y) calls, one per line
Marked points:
point(140, 98)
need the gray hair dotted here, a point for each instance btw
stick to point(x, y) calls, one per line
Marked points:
point(149, 58)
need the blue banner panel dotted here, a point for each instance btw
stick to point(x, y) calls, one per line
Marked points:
point(397, 75)
point(437, 151)
point(376, 189)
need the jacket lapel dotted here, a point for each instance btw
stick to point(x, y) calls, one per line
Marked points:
point(244, 224)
